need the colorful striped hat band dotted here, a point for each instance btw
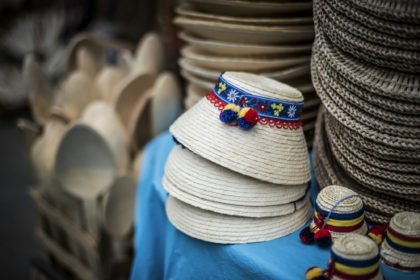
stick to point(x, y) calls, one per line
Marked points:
point(353, 269)
point(244, 109)
point(326, 221)
point(401, 242)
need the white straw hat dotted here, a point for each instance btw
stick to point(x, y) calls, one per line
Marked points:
point(274, 150)
point(201, 183)
point(401, 247)
point(225, 229)
point(353, 256)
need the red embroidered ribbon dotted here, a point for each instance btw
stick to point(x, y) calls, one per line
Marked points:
point(220, 105)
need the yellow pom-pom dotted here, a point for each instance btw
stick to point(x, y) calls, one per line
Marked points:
point(314, 273)
point(243, 112)
point(232, 107)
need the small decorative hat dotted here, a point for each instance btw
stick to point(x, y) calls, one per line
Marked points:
point(249, 124)
point(226, 229)
point(203, 184)
point(353, 256)
point(338, 211)
point(401, 247)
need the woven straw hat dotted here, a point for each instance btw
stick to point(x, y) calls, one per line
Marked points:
point(242, 49)
point(225, 229)
point(341, 205)
point(351, 116)
point(379, 207)
point(254, 34)
point(225, 63)
point(400, 29)
point(201, 183)
point(395, 10)
point(271, 154)
point(401, 247)
point(371, 46)
point(357, 252)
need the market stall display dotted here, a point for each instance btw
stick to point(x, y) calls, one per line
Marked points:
point(93, 126)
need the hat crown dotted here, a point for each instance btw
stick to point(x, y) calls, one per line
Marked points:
point(355, 247)
point(329, 196)
point(407, 223)
point(262, 86)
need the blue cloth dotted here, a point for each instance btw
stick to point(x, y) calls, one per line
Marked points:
point(163, 252)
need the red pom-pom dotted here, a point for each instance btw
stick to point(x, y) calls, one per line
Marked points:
point(323, 238)
point(306, 236)
point(377, 233)
point(251, 116)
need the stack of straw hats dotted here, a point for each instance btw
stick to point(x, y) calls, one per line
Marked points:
point(365, 69)
point(245, 181)
point(338, 211)
point(270, 38)
point(353, 256)
point(401, 247)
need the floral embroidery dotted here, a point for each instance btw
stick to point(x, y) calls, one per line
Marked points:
point(243, 102)
point(222, 88)
point(266, 107)
point(232, 95)
point(261, 107)
point(277, 108)
point(292, 111)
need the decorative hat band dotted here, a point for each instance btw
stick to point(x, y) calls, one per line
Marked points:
point(338, 222)
point(326, 221)
point(353, 269)
point(403, 243)
point(245, 109)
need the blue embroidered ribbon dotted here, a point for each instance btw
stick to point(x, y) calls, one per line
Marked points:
point(266, 107)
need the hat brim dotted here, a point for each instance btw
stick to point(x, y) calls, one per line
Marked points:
point(225, 229)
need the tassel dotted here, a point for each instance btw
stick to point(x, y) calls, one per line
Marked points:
point(247, 118)
point(323, 238)
point(306, 236)
point(315, 273)
point(377, 233)
point(229, 113)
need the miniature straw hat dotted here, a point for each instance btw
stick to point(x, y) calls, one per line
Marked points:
point(267, 144)
point(353, 256)
point(217, 228)
point(201, 183)
point(338, 211)
point(401, 247)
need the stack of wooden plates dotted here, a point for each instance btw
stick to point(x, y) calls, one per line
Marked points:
point(272, 38)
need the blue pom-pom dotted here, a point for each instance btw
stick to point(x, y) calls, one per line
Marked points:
point(228, 116)
point(242, 123)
